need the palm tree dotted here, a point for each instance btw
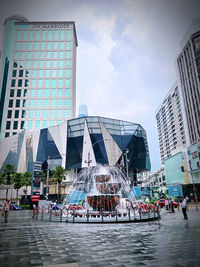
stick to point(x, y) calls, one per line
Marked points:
point(7, 175)
point(27, 181)
point(18, 182)
point(59, 175)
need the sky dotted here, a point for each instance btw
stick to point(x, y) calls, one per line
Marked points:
point(126, 55)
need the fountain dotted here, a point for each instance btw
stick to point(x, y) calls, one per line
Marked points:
point(103, 191)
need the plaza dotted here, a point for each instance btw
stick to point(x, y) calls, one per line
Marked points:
point(171, 241)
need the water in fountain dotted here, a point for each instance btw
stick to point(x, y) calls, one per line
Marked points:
point(100, 187)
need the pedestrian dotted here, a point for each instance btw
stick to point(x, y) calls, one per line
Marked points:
point(34, 210)
point(166, 204)
point(184, 206)
point(7, 207)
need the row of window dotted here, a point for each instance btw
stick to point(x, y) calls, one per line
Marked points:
point(38, 103)
point(42, 45)
point(42, 64)
point(46, 113)
point(18, 93)
point(42, 54)
point(43, 73)
point(38, 124)
point(41, 83)
point(43, 35)
point(52, 92)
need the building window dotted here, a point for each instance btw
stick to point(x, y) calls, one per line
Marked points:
point(41, 63)
point(40, 83)
point(22, 124)
point(51, 123)
point(55, 45)
point(67, 63)
point(48, 63)
point(37, 124)
point(12, 91)
point(35, 64)
point(39, 92)
point(67, 83)
point(9, 115)
point(66, 92)
point(59, 113)
point(61, 64)
point(60, 73)
point(62, 45)
point(49, 35)
point(66, 113)
point(54, 64)
point(53, 92)
point(14, 73)
point(61, 54)
point(52, 102)
point(68, 45)
point(19, 92)
point(34, 73)
point(60, 103)
point(48, 54)
point(68, 34)
point(8, 123)
point(31, 103)
point(19, 83)
point(66, 102)
point(54, 73)
point(30, 114)
point(30, 125)
point(47, 82)
point(68, 54)
point(56, 35)
point(36, 45)
point(46, 92)
point(7, 134)
point(37, 35)
point(44, 124)
point(60, 82)
point(43, 46)
point(59, 92)
point(39, 103)
point(67, 73)
point(17, 105)
point(43, 35)
point(52, 114)
point(38, 114)
point(16, 114)
point(25, 92)
point(45, 113)
point(15, 125)
point(53, 83)
point(13, 83)
point(62, 35)
point(23, 113)
point(46, 103)
point(41, 73)
point(47, 73)
point(55, 54)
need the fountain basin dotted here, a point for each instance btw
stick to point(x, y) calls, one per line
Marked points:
point(105, 202)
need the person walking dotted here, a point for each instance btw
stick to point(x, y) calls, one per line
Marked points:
point(184, 206)
point(7, 207)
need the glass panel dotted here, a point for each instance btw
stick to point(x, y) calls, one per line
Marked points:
point(30, 45)
point(51, 123)
point(62, 45)
point(68, 45)
point(39, 103)
point(46, 102)
point(53, 92)
point(43, 35)
point(56, 35)
point(36, 45)
point(37, 114)
point(49, 35)
point(14, 73)
point(17, 105)
point(68, 34)
point(37, 124)
point(48, 63)
point(30, 125)
point(9, 115)
point(31, 103)
point(31, 35)
point(37, 35)
point(19, 92)
point(52, 102)
point(43, 45)
point(60, 103)
point(45, 113)
point(39, 93)
point(49, 45)
point(12, 91)
point(59, 92)
point(30, 114)
point(56, 45)
point(15, 126)
point(34, 73)
point(66, 113)
point(52, 114)
point(59, 113)
point(62, 35)
point(44, 124)
point(66, 102)
point(46, 92)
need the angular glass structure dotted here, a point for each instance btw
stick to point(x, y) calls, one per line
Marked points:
point(79, 143)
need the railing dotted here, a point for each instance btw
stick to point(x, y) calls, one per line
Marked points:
point(90, 216)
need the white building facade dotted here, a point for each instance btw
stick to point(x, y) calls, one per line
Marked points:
point(38, 75)
point(170, 124)
point(188, 63)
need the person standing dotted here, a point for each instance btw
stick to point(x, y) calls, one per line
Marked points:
point(184, 206)
point(7, 207)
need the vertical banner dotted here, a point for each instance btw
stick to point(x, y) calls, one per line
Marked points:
point(35, 190)
point(185, 168)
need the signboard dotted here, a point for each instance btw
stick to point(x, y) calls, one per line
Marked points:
point(175, 190)
point(136, 191)
point(146, 192)
point(36, 179)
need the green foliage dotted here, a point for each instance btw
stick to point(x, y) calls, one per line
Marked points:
point(8, 174)
point(27, 178)
point(18, 180)
point(58, 174)
point(43, 177)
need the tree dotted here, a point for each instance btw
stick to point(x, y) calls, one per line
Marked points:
point(7, 175)
point(27, 181)
point(58, 175)
point(18, 182)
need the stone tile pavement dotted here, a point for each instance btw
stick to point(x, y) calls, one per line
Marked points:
point(171, 241)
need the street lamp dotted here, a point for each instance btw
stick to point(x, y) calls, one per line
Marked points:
point(127, 160)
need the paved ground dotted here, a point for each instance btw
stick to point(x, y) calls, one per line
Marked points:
point(171, 241)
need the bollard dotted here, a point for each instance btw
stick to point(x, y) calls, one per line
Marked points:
point(154, 211)
point(60, 215)
point(102, 214)
point(116, 215)
point(42, 215)
point(148, 213)
point(134, 213)
point(50, 215)
point(129, 214)
point(140, 214)
point(87, 215)
point(73, 215)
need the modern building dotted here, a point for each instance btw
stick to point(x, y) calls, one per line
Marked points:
point(37, 74)
point(79, 143)
point(83, 112)
point(170, 124)
point(188, 63)
point(153, 179)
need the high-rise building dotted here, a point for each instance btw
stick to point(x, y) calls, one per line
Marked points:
point(83, 112)
point(37, 74)
point(188, 63)
point(170, 124)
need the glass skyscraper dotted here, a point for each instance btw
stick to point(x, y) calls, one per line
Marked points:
point(38, 75)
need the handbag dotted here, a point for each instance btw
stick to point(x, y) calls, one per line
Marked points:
point(3, 213)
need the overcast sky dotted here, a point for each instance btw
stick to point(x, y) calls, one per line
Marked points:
point(126, 52)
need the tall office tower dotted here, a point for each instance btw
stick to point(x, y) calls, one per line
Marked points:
point(189, 71)
point(170, 124)
point(83, 112)
point(37, 74)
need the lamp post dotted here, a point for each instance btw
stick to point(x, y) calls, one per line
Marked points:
point(125, 153)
